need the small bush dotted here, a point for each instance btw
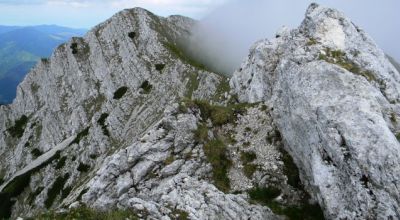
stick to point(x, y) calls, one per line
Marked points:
point(102, 123)
point(146, 86)
point(61, 162)
point(18, 129)
point(216, 153)
point(74, 48)
point(132, 34)
point(36, 152)
point(33, 195)
point(83, 167)
point(119, 93)
point(55, 190)
point(398, 136)
point(80, 136)
point(160, 66)
point(219, 115)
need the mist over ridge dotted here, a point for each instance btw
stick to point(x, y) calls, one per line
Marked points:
point(223, 38)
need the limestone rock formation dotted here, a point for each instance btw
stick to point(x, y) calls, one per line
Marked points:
point(122, 119)
point(336, 103)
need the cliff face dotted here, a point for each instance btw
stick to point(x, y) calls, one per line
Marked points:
point(335, 97)
point(122, 119)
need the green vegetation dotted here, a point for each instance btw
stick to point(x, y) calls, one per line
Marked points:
point(102, 123)
point(88, 214)
point(247, 158)
point(61, 163)
point(201, 134)
point(169, 160)
point(178, 214)
point(83, 167)
point(176, 51)
point(16, 187)
point(339, 58)
point(219, 115)
point(160, 66)
point(192, 85)
point(65, 192)
point(120, 92)
point(36, 152)
point(33, 195)
point(398, 136)
point(216, 153)
point(74, 48)
point(80, 136)
point(18, 129)
point(290, 169)
point(312, 41)
point(131, 34)
point(263, 195)
point(55, 190)
point(146, 86)
point(305, 211)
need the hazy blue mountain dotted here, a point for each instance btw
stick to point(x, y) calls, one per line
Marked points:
point(22, 47)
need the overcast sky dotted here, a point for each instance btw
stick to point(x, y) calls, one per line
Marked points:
point(259, 18)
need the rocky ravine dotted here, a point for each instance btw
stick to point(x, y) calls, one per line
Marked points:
point(137, 125)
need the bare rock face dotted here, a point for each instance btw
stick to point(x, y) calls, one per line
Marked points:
point(335, 99)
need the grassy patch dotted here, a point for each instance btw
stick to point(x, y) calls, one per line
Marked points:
point(89, 214)
point(264, 195)
point(398, 136)
point(216, 153)
point(18, 129)
point(83, 167)
point(201, 134)
point(146, 86)
point(119, 93)
point(247, 158)
point(312, 41)
point(102, 123)
point(339, 58)
point(169, 160)
point(80, 136)
point(305, 211)
point(219, 115)
point(55, 190)
point(182, 56)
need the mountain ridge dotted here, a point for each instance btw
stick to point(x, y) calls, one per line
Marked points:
point(300, 131)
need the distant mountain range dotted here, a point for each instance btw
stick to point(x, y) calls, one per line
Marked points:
point(22, 47)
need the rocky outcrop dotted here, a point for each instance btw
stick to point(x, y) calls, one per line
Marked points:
point(335, 99)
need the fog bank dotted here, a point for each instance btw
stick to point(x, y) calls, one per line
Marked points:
point(223, 38)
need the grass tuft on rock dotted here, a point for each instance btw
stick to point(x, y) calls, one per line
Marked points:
point(248, 168)
point(146, 86)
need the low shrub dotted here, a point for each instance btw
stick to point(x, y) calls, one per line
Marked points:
point(119, 93)
point(146, 86)
point(55, 190)
point(160, 66)
point(83, 167)
point(18, 129)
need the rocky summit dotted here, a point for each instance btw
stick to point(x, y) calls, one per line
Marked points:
point(122, 124)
